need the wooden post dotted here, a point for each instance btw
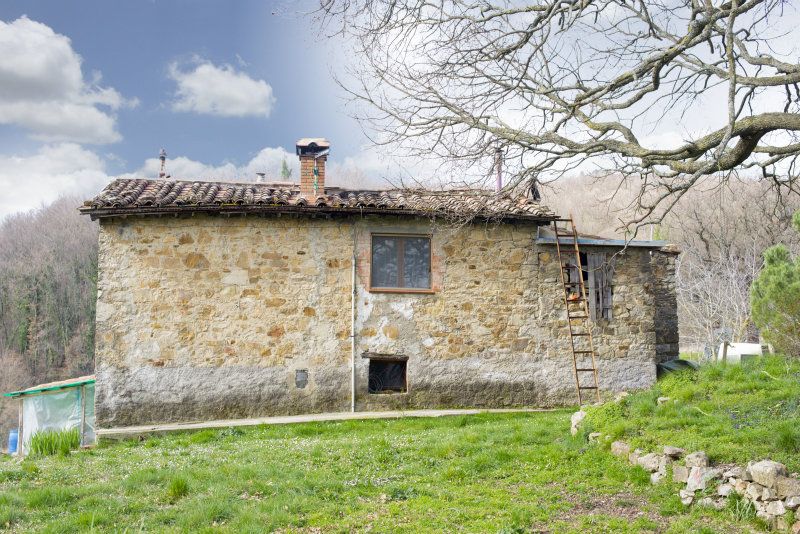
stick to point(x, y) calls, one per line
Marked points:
point(20, 452)
point(724, 352)
point(83, 413)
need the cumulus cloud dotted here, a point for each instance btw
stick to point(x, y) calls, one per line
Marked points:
point(362, 171)
point(58, 169)
point(54, 170)
point(268, 161)
point(220, 90)
point(42, 87)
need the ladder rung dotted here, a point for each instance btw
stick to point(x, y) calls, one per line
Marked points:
point(578, 316)
point(581, 334)
point(587, 387)
point(583, 351)
point(589, 369)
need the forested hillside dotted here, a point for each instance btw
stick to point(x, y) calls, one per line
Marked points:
point(48, 272)
point(722, 227)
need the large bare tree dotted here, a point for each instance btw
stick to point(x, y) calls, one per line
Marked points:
point(555, 84)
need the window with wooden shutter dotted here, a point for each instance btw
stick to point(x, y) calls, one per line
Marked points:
point(600, 288)
point(597, 271)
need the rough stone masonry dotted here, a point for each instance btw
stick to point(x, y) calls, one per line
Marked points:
point(224, 300)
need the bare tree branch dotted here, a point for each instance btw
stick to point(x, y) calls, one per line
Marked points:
point(559, 84)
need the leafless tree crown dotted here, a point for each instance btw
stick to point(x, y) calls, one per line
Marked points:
point(557, 83)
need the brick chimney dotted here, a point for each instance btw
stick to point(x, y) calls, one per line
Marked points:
point(313, 153)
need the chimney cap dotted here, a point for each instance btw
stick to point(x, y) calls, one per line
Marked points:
point(312, 145)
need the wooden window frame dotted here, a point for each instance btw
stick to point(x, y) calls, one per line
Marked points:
point(424, 291)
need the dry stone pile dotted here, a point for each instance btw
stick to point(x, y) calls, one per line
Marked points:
point(766, 484)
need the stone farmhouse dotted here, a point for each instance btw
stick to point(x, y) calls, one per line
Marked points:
point(223, 300)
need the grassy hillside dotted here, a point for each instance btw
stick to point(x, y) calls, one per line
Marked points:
point(489, 473)
point(735, 413)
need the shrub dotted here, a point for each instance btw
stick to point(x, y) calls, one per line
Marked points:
point(51, 442)
point(775, 298)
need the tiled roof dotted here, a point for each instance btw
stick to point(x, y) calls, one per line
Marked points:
point(152, 197)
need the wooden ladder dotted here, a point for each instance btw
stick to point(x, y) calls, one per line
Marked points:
point(577, 306)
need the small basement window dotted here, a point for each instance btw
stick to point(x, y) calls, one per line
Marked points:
point(387, 375)
point(401, 262)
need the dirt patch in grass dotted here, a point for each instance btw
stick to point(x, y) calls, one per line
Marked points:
point(621, 505)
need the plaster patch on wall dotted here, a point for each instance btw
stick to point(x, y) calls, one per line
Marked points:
point(237, 277)
point(404, 307)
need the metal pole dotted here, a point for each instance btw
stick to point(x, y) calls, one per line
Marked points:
point(353, 326)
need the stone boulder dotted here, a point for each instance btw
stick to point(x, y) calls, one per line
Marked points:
point(697, 459)
point(620, 449)
point(776, 508)
point(766, 472)
point(576, 420)
point(699, 477)
point(792, 503)
point(733, 472)
point(740, 486)
point(674, 452)
point(754, 491)
point(787, 487)
point(724, 490)
point(680, 473)
point(650, 462)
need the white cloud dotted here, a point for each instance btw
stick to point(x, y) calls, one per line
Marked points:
point(222, 91)
point(68, 169)
point(42, 88)
point(268, 160)
point(366, 170)
point(54, 170)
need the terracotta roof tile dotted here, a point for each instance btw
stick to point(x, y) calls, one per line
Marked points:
point(151, 197)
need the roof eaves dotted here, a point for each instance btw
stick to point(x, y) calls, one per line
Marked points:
point(44, 389)
point(234, 209)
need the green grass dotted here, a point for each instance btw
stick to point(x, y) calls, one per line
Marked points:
point(50, 442)
point(486, 473)
point(736, 413)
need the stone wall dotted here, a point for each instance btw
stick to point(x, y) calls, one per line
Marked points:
point(212, 317)
point(666, 325)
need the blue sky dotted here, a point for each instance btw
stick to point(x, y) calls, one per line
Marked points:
point(93, 89)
